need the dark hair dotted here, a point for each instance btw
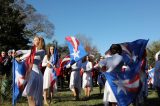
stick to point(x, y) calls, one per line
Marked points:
point(84, 59)
point(49, 53)
point(115, 48)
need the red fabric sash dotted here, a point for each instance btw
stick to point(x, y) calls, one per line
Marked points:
point(30, 59)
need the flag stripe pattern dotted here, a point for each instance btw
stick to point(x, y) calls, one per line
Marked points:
point(77, 51)
point(125, 83)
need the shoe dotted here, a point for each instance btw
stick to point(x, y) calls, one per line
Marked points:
point(76, 98)
point(85, 98)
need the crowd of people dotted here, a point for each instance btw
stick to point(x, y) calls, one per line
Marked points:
point(44, 75)
point(6, 62)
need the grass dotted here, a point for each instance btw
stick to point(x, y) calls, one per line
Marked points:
point(152, 99)
point(65, 98)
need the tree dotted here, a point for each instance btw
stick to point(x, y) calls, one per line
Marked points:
point(63, 50)
point(11, 27)
point(35, 22)
point(87, 43)
point(19, 22)
point(152, 49)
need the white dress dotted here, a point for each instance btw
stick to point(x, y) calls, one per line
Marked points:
point(110, 62)
point(47, 77)
point(151, 75)
point(87, 75)
point(75, 78)
point(34, 85)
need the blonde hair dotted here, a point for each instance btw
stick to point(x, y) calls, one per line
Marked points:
point(41, 42)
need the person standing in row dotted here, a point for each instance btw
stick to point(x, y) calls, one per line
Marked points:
point(75, 79)
point(48, 73)
point(87, 76)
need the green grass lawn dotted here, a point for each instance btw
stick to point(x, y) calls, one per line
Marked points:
point(65, 98)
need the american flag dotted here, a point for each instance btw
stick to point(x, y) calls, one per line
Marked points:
point(18, 70)
point(65, 61)
point(125, 84)
point(77, 51)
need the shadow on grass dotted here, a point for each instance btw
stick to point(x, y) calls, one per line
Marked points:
point(96, 96)
point(64, 89)
point(71, 98)
point(152, 102)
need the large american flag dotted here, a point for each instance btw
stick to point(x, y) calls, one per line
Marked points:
point(125, 83)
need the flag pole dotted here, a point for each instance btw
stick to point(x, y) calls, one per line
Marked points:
point(13, 82)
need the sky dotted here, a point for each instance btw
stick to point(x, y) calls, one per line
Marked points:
point(103, 21)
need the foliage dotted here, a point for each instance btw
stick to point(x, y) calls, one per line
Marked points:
point(152, 49)
point(87, 43)
point(35, 22)
point(11, 27)
point(19, 22)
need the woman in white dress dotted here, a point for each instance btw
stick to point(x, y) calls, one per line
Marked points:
point(34, 87)
point(87, 76)
point(48, 78)
point(75, 79)
point(112, 59)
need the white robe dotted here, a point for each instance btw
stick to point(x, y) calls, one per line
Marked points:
point(87, 75)
point(75, 78)
point(110, 62)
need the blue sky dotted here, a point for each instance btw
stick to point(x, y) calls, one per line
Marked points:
point(104, 21)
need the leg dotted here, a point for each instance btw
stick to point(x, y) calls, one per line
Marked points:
point(85, 91)
point(88, 91)
point(113, 104)
point(100, 88)
point(31, 101)
point(45, 97)
point(74, 92)
point(77, 93)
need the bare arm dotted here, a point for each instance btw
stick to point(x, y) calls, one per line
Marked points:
point(25, 53)
point(44, 62)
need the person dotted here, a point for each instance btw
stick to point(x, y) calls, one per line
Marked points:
point(95, 73)
point(156, 82)
point(87, 76)
point(151, 77)
point(113, 58)
point(60, 73)
point(67, 73)
point(2, 75)
point(2, 61)
point(101, 78)
point(48, 74)
point(75, 79)
point(34, 88)
point(143, 92)
point(13, 53)
point(8, 64)
point(9, 53)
